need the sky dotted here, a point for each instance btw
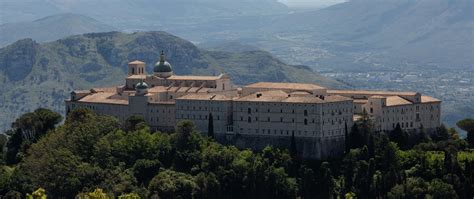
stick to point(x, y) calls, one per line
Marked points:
point(310, 3)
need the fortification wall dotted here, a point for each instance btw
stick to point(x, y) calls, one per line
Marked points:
point(306, 147)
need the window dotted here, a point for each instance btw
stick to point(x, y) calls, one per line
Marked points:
point(249, 120)
point(268, 119)
point(249, 110)
point(305, 112)
point(305, 121)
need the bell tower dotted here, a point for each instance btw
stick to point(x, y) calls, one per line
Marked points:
point(136, 68)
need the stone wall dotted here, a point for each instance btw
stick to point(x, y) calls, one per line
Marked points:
point(306, 147)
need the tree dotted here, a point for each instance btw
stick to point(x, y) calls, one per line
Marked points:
point(28, 129)
point(327, 183)
point(398, 136)
point(293, 150)
point(129, 196)
point(38, 194)
point(440, 190)
point(440, 134)
point(134, 123)
point(347, 139)
point(96, 194)
point(210, 126)
point(468, 126)
point(356, 138)
point(172, 184)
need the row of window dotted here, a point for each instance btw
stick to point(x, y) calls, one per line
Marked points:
point(200, 117)
point(249, 120)
point(292, 132)
point(200, 108)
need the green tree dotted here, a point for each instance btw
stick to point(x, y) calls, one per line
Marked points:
point(440, 190)
point(28, 129)
point(134, 123)
point(293, 150)
point(40, 193)
point(210, 126)
point(347, 139)
point(172, 184)
point(129, 196)
point(327, 184)
point(468, 126)
point(440, 134)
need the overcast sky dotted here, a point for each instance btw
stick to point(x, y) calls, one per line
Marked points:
point(310, 3)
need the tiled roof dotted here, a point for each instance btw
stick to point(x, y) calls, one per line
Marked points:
point(205, 96)
point(281, 96)
point(428, 99)
point(365, 92)
point(191, 77)
point(102, 98)
point(396, 101)
point(290, 86)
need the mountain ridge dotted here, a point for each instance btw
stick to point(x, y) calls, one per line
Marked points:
point(51, 28)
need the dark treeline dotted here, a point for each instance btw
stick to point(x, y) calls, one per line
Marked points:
point(95, 156)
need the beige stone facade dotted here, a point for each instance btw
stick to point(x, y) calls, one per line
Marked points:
point(256, 115)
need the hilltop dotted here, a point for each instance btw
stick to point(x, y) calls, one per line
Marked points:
point(51, 28)
point(42, 75)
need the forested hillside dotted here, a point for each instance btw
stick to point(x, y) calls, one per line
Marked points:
point(92, 155)
point(42, 75)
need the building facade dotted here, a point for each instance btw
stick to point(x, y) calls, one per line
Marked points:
point(259, 114)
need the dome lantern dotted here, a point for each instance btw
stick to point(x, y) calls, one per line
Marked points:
point(162, 68)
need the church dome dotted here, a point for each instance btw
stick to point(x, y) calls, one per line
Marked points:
point(162, 66)
point(141, 85)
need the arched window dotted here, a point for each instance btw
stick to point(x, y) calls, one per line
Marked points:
point(305, 121)
point(249, 120)
point(305, 112)
point(249, 110)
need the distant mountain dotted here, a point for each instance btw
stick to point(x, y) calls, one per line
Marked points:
point(436, 33)
point(137, 14)
point(41, 75)
point(51, 28)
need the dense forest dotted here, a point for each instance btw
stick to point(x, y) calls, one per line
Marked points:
point(96, 156)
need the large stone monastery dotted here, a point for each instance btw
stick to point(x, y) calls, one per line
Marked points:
point(259, 114)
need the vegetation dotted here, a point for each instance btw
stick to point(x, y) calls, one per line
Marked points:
point(94, 156)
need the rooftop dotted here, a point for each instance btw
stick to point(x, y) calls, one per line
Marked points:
point(192, 77)
point(284, 86)
point(428, 99)
point(397, 101)
point(206, 96)
point(102, 98)
point(136, 62)
point(365, 92)
point(281, 96)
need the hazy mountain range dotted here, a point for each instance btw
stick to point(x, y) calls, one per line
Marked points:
point(362, 34)
point(389, 32)
point(42, 75)
point(51, 28)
